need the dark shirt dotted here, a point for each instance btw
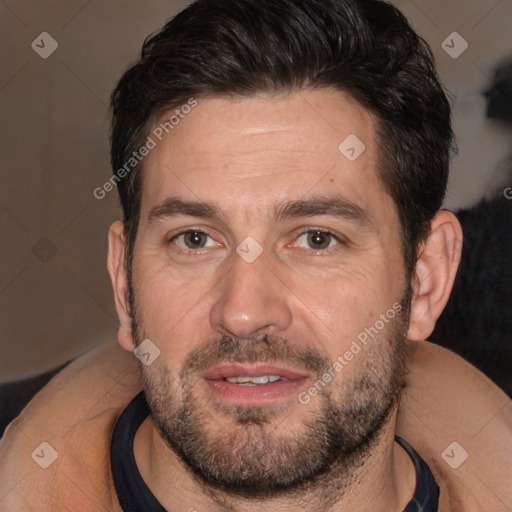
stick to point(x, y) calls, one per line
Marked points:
point(134, 495)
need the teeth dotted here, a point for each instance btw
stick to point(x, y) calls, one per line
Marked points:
point(254, 381)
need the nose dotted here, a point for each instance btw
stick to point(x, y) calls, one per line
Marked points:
point(252, 300)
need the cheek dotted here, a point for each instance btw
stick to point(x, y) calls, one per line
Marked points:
point(170, 309)
point(345, 292)
point(339, 306)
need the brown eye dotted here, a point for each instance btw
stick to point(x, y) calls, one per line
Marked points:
point(317, 240)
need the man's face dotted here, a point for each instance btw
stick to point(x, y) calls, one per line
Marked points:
point(263, 250)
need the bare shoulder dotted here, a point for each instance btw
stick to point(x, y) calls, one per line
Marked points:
point(57, 449)
point(455, 417)
point(102, 377)
point(461, 424)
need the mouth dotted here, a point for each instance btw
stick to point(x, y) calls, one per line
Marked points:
point(253, 384)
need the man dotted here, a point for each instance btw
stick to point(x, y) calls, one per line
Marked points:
point(281, 167)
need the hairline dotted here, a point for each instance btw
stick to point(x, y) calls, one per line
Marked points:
point(382, 156)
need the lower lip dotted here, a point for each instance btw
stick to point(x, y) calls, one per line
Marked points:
point(255, 395)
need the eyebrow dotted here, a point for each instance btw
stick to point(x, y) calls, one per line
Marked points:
point(174, 207)
point(333, 206)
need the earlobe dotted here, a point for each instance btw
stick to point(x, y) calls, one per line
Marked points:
point(434, 274)
point(117, 271)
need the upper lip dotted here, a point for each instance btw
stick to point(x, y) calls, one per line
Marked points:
point(226, 370)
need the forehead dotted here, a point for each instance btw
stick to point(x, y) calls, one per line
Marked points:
point(254, 152)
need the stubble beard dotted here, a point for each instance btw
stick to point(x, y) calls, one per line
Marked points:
point(258, 456)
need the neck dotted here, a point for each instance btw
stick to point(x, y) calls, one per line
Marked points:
point(384, 481)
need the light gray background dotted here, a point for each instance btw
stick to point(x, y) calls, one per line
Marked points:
point(54, 141)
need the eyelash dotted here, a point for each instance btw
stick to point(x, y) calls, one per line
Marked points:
point(188, 252)
point(303, 232)
point(319, 230)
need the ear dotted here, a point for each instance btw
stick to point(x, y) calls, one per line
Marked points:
point(117, 270)
point(434, 274)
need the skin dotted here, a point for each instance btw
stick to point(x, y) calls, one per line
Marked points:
point(248, 157)
point(445, 400)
